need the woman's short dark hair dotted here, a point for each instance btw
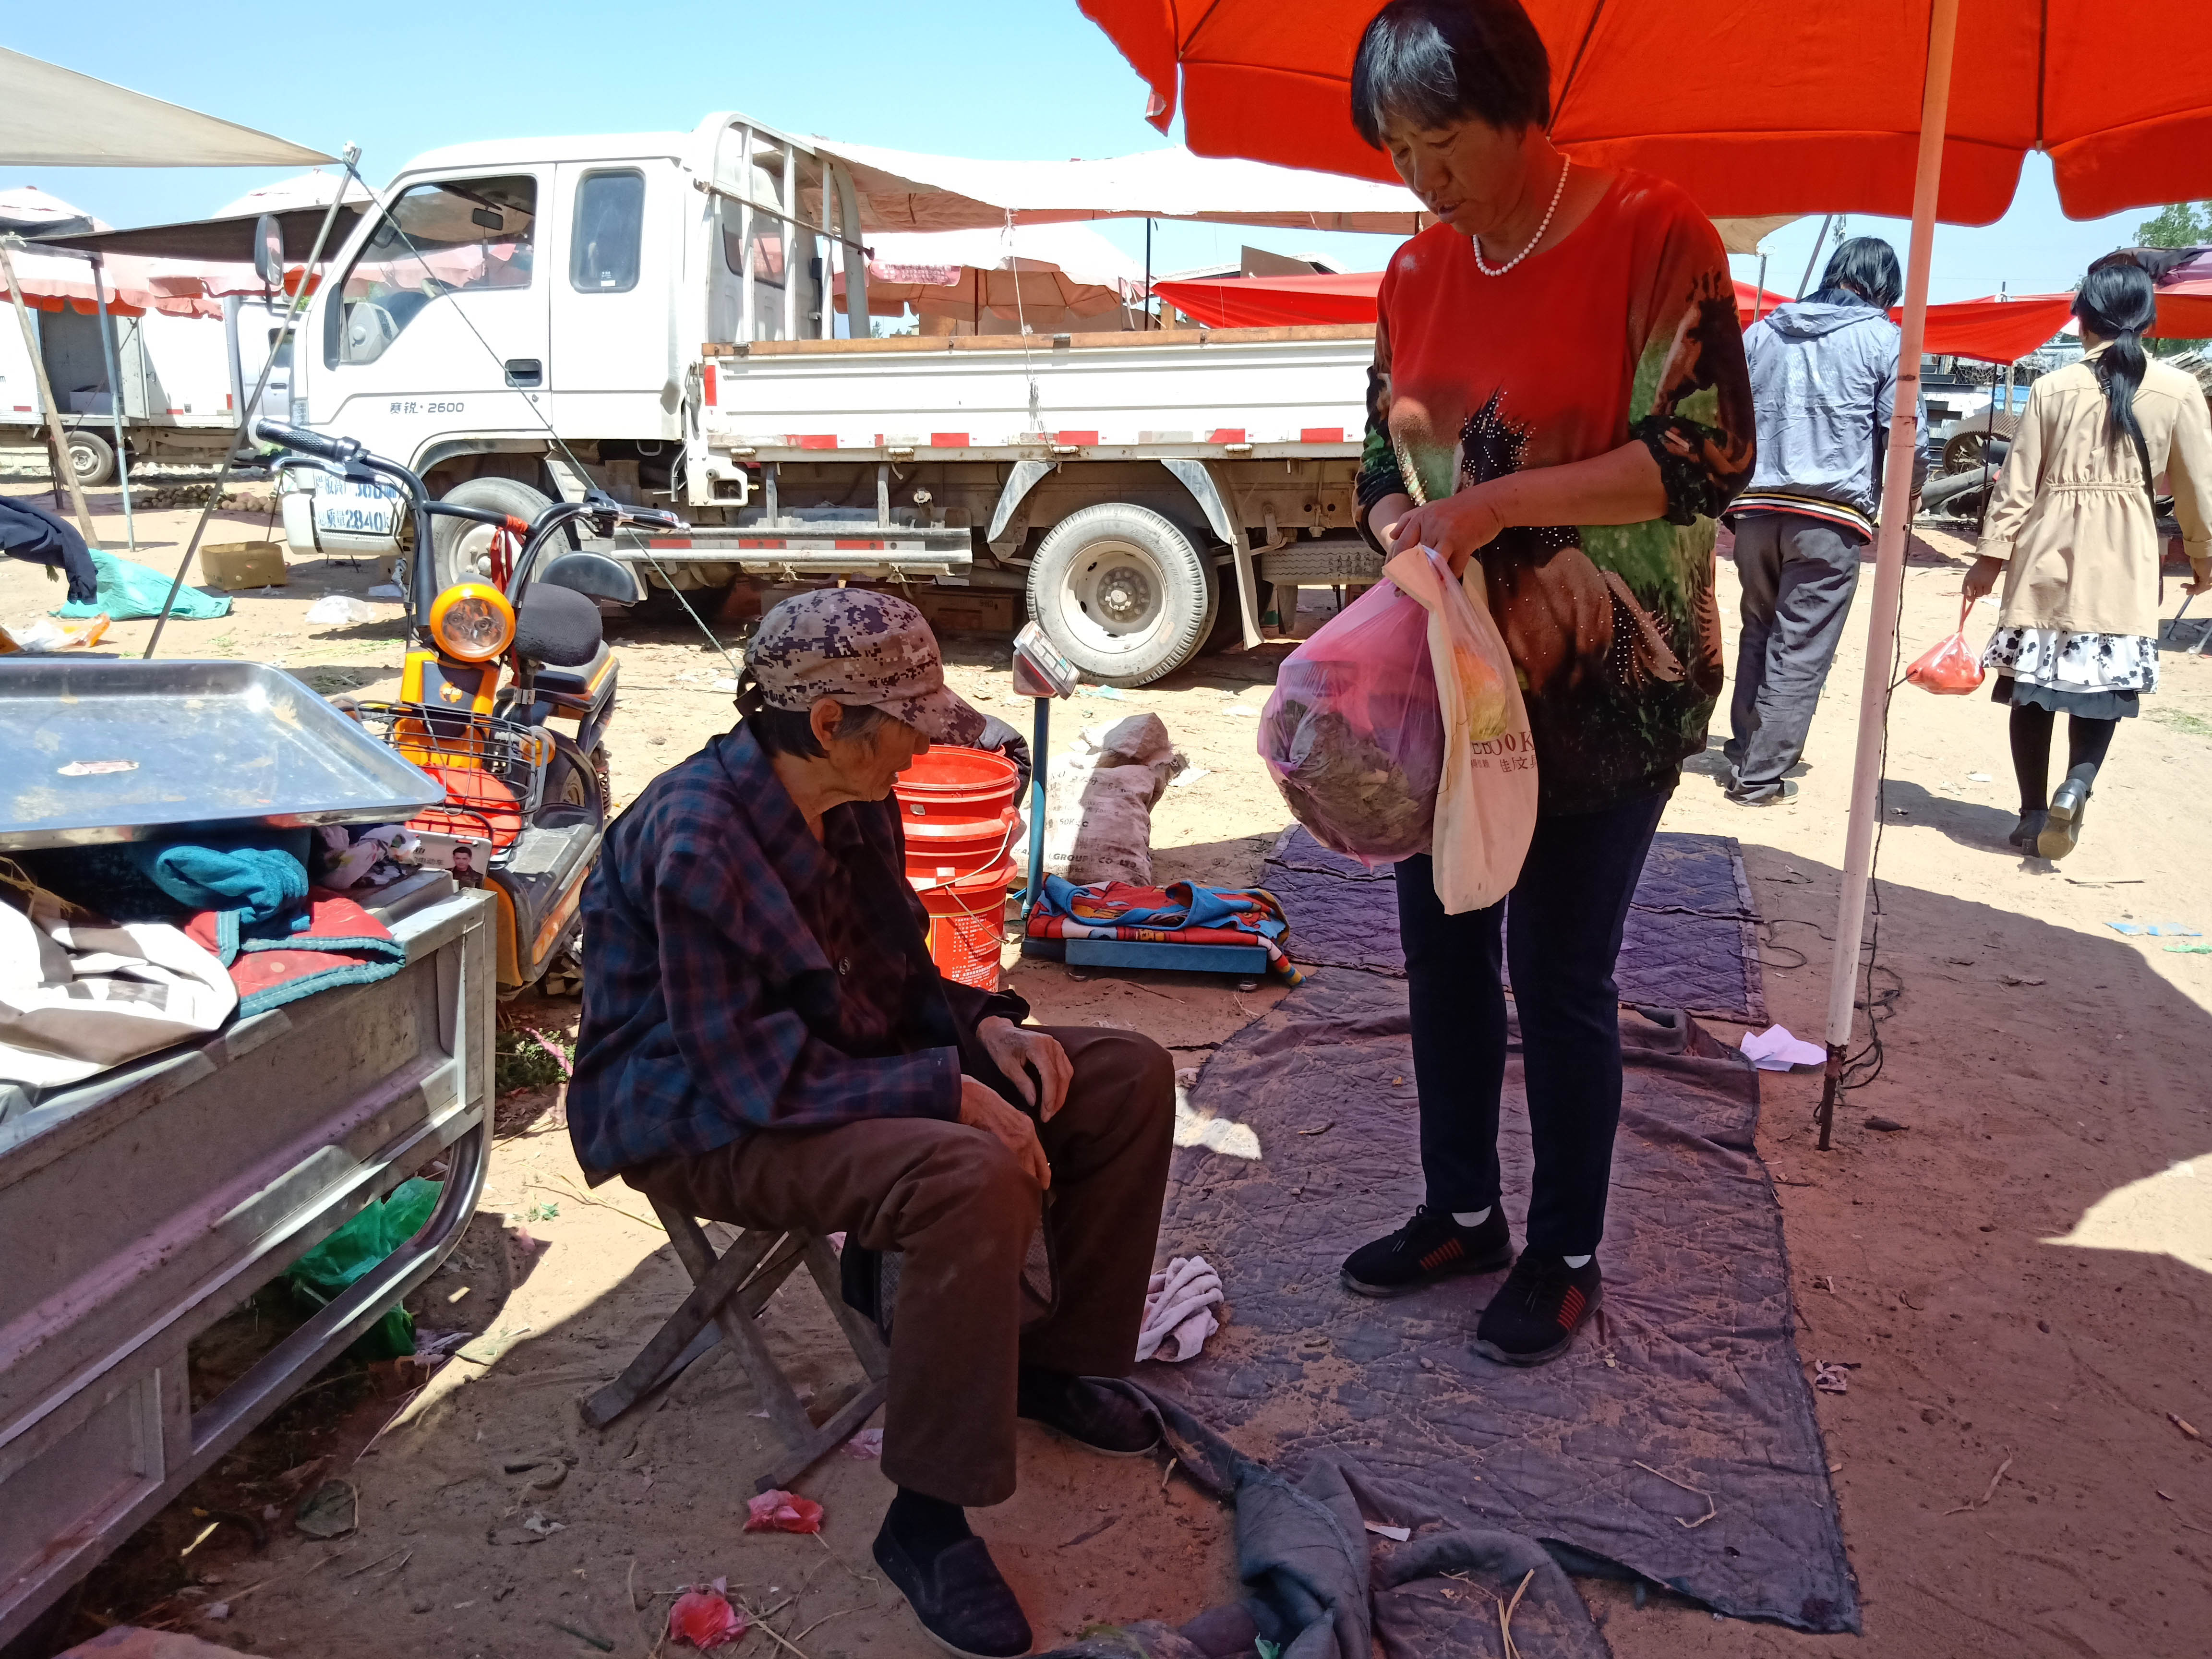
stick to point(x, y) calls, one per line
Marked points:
point(1864, 267)
point(791, 730)
point(2118, 301)
point(1434, 62)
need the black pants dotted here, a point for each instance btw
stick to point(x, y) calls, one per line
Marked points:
point(1561, 931)
point(1798, 577)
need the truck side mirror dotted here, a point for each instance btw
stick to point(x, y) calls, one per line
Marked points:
point(269, 250)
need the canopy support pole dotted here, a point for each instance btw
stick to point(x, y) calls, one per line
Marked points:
point(55, 436)
point(1889, 563)
point(114, 399)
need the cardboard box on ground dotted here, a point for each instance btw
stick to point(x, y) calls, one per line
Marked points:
point(1099, 798)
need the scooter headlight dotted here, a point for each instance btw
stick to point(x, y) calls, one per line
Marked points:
point(472, 620)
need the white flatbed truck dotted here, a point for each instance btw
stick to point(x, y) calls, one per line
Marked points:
point(654, 313)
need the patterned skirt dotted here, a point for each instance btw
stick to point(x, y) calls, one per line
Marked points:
point(2096, 676)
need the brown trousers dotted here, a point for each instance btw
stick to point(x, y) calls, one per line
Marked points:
point(953, 1200)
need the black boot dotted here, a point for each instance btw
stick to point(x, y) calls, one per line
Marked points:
point(2062, 832)
point(2030, 827)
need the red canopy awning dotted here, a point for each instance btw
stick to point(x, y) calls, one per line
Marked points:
point(1335, 297)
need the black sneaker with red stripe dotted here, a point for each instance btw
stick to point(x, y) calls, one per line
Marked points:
point(1429, 1247)
point(1533, 1315)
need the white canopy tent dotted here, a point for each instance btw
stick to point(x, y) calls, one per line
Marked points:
point(56, 118)
point(906, 190)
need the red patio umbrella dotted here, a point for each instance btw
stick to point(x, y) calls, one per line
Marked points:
point(1754, 109)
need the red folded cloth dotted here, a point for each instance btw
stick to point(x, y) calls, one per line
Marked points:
point(341, 944)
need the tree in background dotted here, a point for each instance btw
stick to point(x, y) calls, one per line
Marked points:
point(2184, 224)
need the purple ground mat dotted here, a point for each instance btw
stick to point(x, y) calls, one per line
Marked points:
point(1694, 1376)
point(1691, 940)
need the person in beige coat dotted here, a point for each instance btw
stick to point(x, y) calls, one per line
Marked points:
point(2072, 531)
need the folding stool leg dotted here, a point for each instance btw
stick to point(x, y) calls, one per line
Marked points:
point(676, 1344)
point(860, 1330)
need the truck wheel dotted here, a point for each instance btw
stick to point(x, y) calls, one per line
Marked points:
point(1123, 591)
point(464, 550)
point(92, 458)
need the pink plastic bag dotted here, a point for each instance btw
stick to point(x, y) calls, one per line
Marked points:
point(1353, 736)
point(1951, 668)
point(782, 1511)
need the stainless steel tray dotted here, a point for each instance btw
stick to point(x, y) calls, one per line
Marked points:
point(102, 750)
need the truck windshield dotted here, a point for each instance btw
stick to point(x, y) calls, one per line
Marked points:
point(452, 237)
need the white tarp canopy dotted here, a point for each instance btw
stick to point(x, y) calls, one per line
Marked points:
point(1031, 270)
point(905, 190)
point(54, 117)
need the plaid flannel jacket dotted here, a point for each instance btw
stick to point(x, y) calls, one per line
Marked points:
point(742, 976)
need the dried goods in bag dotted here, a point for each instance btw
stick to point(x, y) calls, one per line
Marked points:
point(1353, 735)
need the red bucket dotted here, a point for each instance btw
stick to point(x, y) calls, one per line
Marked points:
point(967, 922)
point(956, 807)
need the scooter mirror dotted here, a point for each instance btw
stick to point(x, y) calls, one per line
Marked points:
point(269, 250)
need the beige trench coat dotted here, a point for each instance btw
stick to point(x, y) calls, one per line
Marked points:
point(2071, 519)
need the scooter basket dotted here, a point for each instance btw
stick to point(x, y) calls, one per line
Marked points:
point(494, 769)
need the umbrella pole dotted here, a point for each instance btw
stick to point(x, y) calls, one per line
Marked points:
point(1889, 563)
point(114, 400)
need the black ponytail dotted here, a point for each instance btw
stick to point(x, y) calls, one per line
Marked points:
point(2118, 302)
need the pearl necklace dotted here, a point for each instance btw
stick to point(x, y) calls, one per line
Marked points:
point(1566, 167)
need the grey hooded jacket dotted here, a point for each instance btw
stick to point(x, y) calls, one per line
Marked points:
point(1823, 383)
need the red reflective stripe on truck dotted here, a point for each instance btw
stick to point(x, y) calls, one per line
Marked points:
point(814, 440)
point(713, 391)
point(948, 440)
point(1227, 434)
point(843, 545)
point(1321, 435)
point(1075, 437)
point(669, 541)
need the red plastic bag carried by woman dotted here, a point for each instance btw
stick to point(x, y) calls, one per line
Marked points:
point(1951, 668)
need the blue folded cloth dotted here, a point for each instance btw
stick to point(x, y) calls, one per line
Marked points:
point(260, 883)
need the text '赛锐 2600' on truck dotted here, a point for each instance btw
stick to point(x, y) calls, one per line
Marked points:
point(659, 313)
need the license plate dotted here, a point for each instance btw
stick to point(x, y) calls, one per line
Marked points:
point(354, 508)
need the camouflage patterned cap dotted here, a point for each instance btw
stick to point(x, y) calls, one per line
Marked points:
point(866, 650)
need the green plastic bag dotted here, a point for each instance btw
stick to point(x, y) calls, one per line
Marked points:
point(317, 1277)
point(130, 592)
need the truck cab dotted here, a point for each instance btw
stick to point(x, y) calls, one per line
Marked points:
point(657, 313)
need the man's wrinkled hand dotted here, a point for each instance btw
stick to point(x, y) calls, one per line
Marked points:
point(1015, 1049)
point(982, 1108)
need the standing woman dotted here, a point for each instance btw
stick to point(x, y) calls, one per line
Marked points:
point(2073, 533)
point(1560, 396)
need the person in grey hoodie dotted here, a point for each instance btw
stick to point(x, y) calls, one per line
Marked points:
point(1823, 383)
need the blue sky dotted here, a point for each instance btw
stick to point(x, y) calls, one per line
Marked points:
point(990, 78)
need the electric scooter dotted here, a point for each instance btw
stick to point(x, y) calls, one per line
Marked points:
point(491, 664)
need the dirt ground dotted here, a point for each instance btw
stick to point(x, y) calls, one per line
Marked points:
point(2022, 1272)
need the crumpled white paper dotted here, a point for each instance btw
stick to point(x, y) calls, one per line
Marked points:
point(1775, 1050)
point(1179, 1307)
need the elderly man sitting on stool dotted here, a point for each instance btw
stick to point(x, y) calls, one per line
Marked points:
point(766, 1042)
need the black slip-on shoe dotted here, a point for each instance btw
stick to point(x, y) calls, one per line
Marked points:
point(1430, 1247)
point(1771, 795)
point(1094, 1411)
point(1534, 1314)
point(2062, 831)
point(2029, 829)
point(957, 1597)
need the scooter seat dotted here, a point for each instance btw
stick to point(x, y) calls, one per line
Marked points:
point(559, 627)
point(571, 681)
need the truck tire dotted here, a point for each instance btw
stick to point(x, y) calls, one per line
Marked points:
point(1124, 592)
point(463, 550)
point(92, 458)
